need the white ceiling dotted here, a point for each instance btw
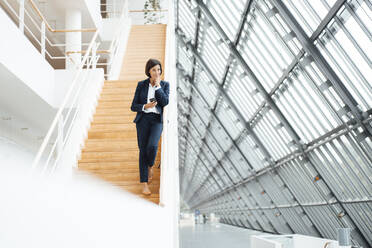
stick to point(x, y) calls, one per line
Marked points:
point(21, 110)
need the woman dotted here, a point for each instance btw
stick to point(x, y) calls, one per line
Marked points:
point(151, 95)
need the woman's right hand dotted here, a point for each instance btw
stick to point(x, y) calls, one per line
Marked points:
point(150, 105)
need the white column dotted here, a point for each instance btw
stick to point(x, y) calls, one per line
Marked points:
point(73, 39)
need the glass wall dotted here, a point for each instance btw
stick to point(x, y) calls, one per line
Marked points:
point(275, 114)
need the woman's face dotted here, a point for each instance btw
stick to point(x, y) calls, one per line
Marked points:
point(155, 71)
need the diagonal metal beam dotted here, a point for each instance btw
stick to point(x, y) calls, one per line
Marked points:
point(327, 19)
point(326, 69)
point(247, 9)
point(211, 174)
point(297, 140)
point(322, 64)
point(224, 156)
point(227, 68)
point(247, 161)
point(226, 97)
point(252, 75)
point(217, 142)
point(203, 164)
point(187, 135)
point(214, 114)
point(210, 161)
point(245, 66)
point(207, 168)
point(274, 111)
point(194, 60)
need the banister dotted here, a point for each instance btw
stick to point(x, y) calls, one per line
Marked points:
point(63, 105)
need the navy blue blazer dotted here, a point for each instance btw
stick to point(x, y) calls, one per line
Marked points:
point(140, 98)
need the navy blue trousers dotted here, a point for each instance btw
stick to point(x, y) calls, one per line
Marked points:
point(149, 130)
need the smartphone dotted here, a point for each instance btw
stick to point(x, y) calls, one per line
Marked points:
point(152, 100)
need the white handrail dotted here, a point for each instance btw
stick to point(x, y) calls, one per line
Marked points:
point(59, 115)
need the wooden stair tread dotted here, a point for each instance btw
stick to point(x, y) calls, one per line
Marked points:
point(108, 164)
point(117, 119)
point(112, 97)
point(112, 112)
point(111, 135)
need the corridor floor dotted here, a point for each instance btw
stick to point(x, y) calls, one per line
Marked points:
point(215, 235)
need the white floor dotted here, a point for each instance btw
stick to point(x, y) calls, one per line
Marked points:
point(214, 235)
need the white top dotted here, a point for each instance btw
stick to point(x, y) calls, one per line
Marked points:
point(151, 94)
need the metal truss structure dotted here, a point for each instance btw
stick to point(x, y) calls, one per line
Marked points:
point(275, 113)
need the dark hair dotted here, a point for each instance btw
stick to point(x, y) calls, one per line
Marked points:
point(151, 63)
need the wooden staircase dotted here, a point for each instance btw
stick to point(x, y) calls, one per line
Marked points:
point(111, 150)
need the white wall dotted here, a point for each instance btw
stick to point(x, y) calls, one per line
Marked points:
point(261, 242)
point(20, 57)
point(64, 78)
point(94, 8)
point(19, 147)
point(109, 27)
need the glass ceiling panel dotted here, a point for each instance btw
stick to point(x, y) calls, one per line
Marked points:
point(220, 134)
point(229, 120)
point(309, 13)
point(252, 153)
point(288, 148)
point(185, 59)
point(211, 42)
point(277, 141)
point(212, 144)
point(305, 108)
point(244, 95)
point(231, 170)
point(350, 57)
point(188, 22)
point(239, 163)
point(227, 14)
point(207, 88)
